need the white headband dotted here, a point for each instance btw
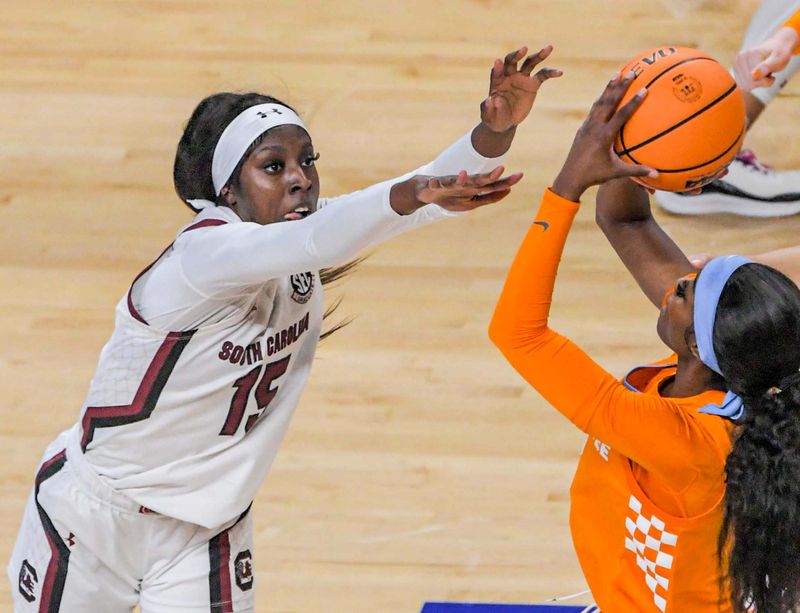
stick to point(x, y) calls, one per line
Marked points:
point(240, 134)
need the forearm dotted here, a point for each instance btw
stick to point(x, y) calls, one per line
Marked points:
point(220, 259)
point(523, 308)
point(786, 260)
point(621, 202)
point(649, 253)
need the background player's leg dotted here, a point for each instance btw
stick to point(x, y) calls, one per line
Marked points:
point(201, 571)
point(751, 188)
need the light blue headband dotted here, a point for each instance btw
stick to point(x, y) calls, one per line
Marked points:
point(707, 290)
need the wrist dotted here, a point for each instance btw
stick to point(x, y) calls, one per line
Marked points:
point(491, 143)
point(567, 188)
point(403, 196)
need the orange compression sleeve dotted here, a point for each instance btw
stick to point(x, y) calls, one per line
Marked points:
point(657, 433)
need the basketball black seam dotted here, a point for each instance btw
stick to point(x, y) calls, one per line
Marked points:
point(653, 80)
point(711, 161)
point(676, 64)
point(680, 123)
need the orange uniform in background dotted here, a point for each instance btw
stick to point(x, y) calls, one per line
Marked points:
point(794, 23)
point(646, 498)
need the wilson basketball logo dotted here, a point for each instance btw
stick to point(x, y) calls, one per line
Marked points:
point(687, 88)
point(302, 286)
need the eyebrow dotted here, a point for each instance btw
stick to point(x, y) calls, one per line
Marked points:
point(280, 148)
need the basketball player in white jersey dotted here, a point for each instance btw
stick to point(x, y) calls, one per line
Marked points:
point(145, 500)
point(751, 188)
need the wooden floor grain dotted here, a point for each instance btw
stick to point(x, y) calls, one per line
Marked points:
point(419, 466)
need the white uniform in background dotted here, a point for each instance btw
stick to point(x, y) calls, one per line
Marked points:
point(751, 188)
point(145, 499)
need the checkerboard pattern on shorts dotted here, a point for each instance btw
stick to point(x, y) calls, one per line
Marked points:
point(653, 547)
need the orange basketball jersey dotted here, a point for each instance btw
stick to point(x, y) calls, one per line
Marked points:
point(636, 555)
point(646, 497)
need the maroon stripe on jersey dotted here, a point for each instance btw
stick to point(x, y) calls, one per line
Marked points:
point(219, 574)
point(150, 388)
point(200, 224)
point(56, 575)
point(204, 224)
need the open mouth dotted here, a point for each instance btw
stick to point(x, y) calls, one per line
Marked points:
point(300, 212)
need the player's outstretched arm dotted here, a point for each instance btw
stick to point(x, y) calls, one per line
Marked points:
point(513, 87)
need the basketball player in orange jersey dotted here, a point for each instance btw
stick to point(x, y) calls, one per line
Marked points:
point(146, 499)
point(686, 498)
point(751, 188)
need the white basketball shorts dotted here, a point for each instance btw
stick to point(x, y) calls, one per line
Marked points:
point(85, 548)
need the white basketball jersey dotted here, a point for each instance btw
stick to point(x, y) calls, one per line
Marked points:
point(188, 423)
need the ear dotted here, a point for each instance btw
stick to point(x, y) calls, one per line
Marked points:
point(228, 195)
point(691, 342)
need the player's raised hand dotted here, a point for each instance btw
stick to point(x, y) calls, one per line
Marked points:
point(754, 67)
point(513, 89)
point(591, 159)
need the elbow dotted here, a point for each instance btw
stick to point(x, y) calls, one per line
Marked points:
point(501, 333)
point(603, 221)
point(496, 333)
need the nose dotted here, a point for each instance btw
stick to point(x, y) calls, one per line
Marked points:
point(298, 180)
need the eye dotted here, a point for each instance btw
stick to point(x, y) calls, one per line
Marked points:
point(273, 166)
point(309, 161)
point(680, 289)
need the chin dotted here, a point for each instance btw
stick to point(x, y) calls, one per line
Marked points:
point(661, 329)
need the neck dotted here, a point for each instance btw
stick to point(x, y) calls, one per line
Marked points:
point(692, 377)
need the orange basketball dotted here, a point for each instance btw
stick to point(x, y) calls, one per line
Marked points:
point(691, 123)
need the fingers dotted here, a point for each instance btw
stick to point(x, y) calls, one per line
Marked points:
point(603, 108)
point(533, 60)
point(775, 62)
point(624, 113)
point(698, 260)
point(546, 73)
point(511, 59)
point(463, 192)
point(632, 171)
point(489, 198)
point(463, 183)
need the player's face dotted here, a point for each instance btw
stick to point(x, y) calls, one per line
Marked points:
point(677, 315)
point(279, 180)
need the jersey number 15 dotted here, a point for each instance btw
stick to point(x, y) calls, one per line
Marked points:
point(264, 394)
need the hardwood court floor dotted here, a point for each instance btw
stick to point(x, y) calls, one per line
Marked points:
point(419, 466)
